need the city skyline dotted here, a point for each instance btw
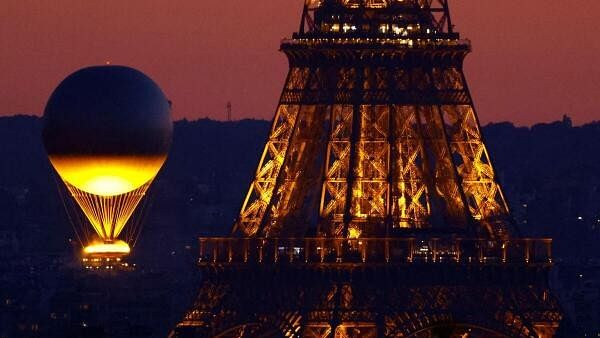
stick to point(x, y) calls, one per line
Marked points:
point(204, 54)
point(178, 183)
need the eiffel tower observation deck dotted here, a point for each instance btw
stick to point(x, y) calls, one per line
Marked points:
point(375, 210)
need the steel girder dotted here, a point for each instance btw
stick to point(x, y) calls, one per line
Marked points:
point(374, 142)
point(383, 301)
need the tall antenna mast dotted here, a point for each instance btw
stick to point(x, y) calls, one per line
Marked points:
point(229, 111)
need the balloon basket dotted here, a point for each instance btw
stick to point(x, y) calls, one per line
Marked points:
point(107, 256)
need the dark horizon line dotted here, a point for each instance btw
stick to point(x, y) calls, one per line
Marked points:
point(566, 118)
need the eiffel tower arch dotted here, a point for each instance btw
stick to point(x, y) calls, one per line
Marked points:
point(375, 210)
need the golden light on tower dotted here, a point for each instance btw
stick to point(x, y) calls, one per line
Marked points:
point(107, 131)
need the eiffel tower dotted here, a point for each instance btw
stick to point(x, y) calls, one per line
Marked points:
point(375, 210)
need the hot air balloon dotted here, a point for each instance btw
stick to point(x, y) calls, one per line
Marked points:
point(107, 132)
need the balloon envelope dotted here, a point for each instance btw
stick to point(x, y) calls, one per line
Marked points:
point(107, 132)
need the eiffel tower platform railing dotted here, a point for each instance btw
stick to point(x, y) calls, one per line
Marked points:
point(407, 250)
point(418, 286)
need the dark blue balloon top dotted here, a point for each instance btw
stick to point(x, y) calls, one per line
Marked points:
point(107, 110)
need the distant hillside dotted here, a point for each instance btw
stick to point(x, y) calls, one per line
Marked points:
point(550, 173)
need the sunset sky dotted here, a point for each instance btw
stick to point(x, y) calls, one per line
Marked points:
point(532, 60)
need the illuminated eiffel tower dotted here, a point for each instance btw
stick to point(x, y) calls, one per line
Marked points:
point(375, 210)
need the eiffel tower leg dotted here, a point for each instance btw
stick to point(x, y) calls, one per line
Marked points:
point(546, 330)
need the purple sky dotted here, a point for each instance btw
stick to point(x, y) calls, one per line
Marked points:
point(532, 60)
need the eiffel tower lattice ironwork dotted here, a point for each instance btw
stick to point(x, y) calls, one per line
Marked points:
point(375, 210)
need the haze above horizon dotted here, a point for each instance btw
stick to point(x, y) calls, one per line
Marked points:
point(530, 63)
